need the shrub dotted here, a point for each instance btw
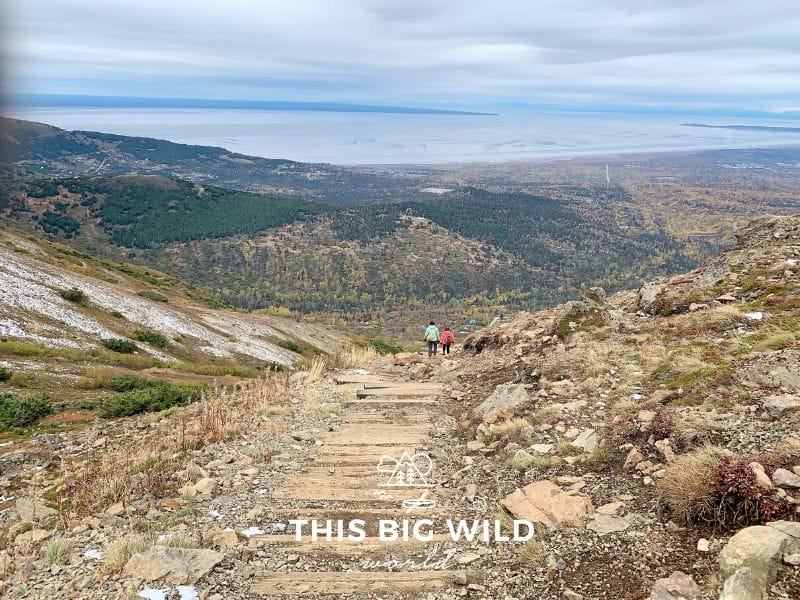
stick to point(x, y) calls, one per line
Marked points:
point(151, 337)
point(118, 345)
point(153, 397)
point(5, 374)
point(21, 412)
point(386, 347)
point(119, 552)
point(117, 315)
point(290, 345)
point(56, 551)
point(75, 295)
point(741, 500)
point(151, 295)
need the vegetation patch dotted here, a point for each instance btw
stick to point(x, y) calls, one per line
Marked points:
point(149, 396)
point(151, 295)
point(386, 347)
point(22, 412)
point(153, 338)
point(75, 295)
point(5, 374)
point(119, 345)
point(290, 345)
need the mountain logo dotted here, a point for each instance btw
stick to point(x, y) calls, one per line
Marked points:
point(406, 471)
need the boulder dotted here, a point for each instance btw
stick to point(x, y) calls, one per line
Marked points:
point(634, 458)
point(586, 441)
point(505, 396)
point(522, 457)
point(759, 548)
point(678, 586)
point(225, 539)
point(648, 294)
point(762, 478)
point(34, 511)
point(407, 358)
point(544, 503)
point(783, 478)
point(597, 295)
point(742, 585)
point(206, 486)
point(176, 565)
point(783, 404)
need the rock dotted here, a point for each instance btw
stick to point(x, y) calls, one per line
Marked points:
point(762, 478)
point(206, 486)
point(586, 441)
point(32, 537)
point(34, 511)
point(407, 358)
point(646, 416)
point(505, 396)
point(665, 448)
point(545, 503)
point(177, 565)
point(605, 524)
point(474, 446)
point(678, 586)
point(792, 559)
point(648, 294)
point(187, 491)
point(634, 458)
point(466, 558)
point(521, 457)
point(742, 585)
point(785, 479)
point(777, 406)
point(612, 508)
point(759, 548)
point(695, 306)
point(725, 298)
point(542, 448)
point(115, 509)
point(568, 594)
point(225, 539)
point(597, 295)
point(703, 545)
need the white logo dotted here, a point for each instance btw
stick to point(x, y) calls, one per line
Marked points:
point(408, 472)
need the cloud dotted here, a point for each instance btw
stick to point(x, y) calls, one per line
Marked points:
point(433, 51)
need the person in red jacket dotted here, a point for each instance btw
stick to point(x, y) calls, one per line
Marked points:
point(446, 339)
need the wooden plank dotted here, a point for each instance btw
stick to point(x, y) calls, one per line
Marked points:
point(371, 545)
point(394, 391)
point(403, 385)
point(332, 583)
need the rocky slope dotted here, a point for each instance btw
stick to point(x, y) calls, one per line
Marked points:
point(651, 436)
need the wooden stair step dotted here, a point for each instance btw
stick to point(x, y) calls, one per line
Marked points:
point(331, 583)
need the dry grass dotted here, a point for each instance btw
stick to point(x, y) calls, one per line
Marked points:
point(56, 551)
point(347, 358)
point(179, 540)
point(119, 552)
point(152, 463)
point(686, 491)
point(532, 554)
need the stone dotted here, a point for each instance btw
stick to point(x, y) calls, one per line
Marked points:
point(596, 295)
point(177, 565)
point(187, 491)
point(778, 406)
point(521, 457)
point(542, 448)
point(35, 511)
point(665, 447)
point(568, 594)
point(703, 545)
point(678, 586)
point(612, 508)
point(762, 478)
point(544, 503)
point(759, 548)
point(742, 585)
point(586, 441)
point(115, 509)
point(783, 478)
point(634, 458)
point(505, 396)
point(406, 358)
point(605, 524)
point(474, 445)
point(648, 294)
point(646, 416)
point(695, 306)
point(206, 486)
point(724, 298)
point(466, 558)
point(792, 559)
point(225, 540)
point(32, 537)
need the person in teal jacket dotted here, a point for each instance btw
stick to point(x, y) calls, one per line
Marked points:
point(432, 337)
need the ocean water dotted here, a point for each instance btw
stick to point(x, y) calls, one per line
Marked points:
point(370, 138)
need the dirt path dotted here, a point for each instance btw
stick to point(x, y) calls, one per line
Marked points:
point(385, 419)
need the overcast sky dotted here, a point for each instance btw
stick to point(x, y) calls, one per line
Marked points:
point(730, 54)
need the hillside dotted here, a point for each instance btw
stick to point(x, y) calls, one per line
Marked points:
point(650, 435)
point(71, 323)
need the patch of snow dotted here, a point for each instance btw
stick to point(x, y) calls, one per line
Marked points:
point(216, 514)
point(278, 527)
point(436, 190)
point(791, 261)
point(187, 592)
point(93, 554)
point(250, 531)
point(636, 396)
point(754, 316)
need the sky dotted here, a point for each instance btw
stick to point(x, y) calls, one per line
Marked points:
point(730, 55)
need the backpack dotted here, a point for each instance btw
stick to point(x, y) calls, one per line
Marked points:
point(431, 334)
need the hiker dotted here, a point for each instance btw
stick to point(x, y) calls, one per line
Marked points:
point(432, 337)
point(445, 340)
